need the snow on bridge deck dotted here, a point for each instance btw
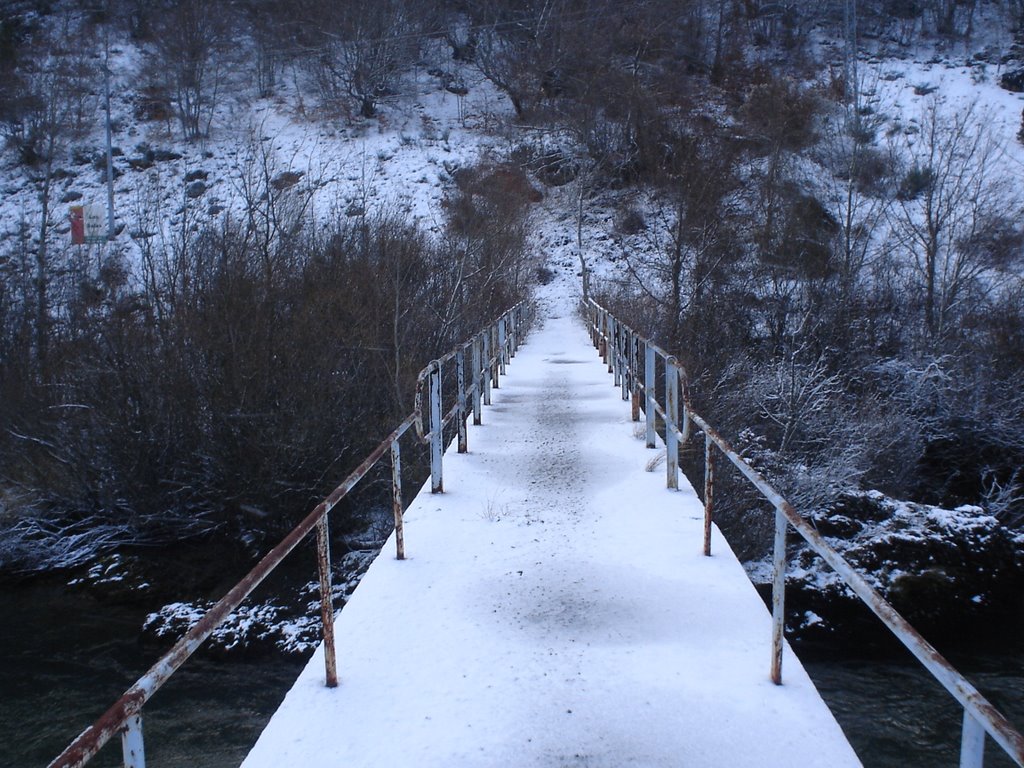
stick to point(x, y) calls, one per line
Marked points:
point(555, 610)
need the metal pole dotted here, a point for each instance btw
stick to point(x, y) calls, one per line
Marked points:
point(502, 346)
point(972, 743)
point(649, 413)
point(514, 316)
point(634, 379)
point(779, 596)
point(625, 343)
point(477, 416)
point(672, 422)
point(460, 378)
point(485, 369)
point(606, 337)
point(132, 747)
point(608, 332)
point(709, 491)
point(396, 499)
point(323, 558)
point(494, 358)
point(110, 152)
point(436, 431)
point(613, 353)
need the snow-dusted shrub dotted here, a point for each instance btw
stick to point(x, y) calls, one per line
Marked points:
point(230, 386)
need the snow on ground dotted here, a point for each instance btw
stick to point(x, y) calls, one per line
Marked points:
point(905, 89)
point(555, 608)
point(400, 162)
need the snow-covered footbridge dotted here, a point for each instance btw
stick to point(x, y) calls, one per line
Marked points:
point(557, 594)
point(554, 609)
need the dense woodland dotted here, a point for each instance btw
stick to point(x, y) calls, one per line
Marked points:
point(846, 295)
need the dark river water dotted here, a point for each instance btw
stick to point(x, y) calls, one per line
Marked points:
point(64, 658)
point(895, 713)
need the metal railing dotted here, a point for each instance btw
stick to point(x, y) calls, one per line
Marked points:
point(488, 352)
point(637, 375)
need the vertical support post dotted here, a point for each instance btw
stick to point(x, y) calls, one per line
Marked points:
point(515, 332)
point(709, 491)
point(634, 384)
point(634, 379)
point(502, 346)
point(110, 151)
point(495, 358)
point(778, 596)
point(614, 363)
point(484, 371)
point(625, 364)
point(396, 499)
point(323, 559)
point(460, 379)
point(672, 422)
point(649, 413)
point(610, 346)
point(436, 430)
point(477, 416)
point(972, 743)
point(605, 338)
point(133, 748)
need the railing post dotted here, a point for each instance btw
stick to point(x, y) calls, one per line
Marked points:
point(133, 749)
point(495, 358)
point(613, 353)
point(605, 338)
point(972, 743)
point(606, 327)
point(649, 412)
point(460, 378)
point(484, 371)
point(323, 559)
point(436, 431)
point(515, 332)
point(709, 491)
point(672, 422)
point(626, 344)
point(778, 596)
point(510, 330)
point(396, 500)
point(502, 346)
point(634, 380)
point(477, 343)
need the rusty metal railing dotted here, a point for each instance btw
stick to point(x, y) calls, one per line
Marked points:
point(620, 347)
point(490, 351)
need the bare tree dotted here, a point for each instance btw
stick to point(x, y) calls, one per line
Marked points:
point(185, 59)
point(953, 188)
point(49, 110)
point(361, 50)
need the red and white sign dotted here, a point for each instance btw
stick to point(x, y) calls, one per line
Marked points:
point(88, 224)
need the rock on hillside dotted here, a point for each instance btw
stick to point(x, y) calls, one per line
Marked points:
point(939, 568)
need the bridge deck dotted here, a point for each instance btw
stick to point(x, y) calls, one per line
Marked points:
point(555, 610)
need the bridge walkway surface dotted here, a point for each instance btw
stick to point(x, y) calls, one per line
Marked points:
point(555, 609)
